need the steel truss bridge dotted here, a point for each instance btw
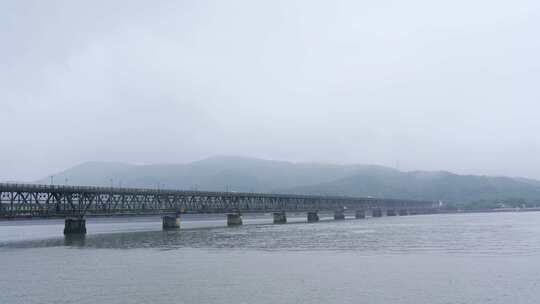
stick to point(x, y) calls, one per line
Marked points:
point(52, 201)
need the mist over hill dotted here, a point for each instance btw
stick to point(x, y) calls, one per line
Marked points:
point(256, 175)
point(420, 185)
point(216, 173)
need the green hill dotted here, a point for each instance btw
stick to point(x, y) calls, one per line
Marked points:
point(217, 173)
point(420, 185)
point(257, 175)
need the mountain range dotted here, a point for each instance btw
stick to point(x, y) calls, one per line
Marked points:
point(231, 173)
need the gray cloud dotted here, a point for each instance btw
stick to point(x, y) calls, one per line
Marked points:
point(419, 84)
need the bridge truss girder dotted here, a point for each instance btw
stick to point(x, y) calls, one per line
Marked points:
point(23, 200)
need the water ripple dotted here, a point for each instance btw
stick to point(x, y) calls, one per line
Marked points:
point(472, 234)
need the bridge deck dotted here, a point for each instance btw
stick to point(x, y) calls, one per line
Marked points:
point(31, 200)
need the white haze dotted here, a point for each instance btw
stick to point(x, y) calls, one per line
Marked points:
point(417, 84)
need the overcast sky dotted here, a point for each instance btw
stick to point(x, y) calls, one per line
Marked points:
point(418, 84)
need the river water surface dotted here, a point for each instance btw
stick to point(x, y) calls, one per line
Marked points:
point(460, 258)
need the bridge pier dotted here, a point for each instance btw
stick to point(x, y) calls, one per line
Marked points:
point(376, 213)
point(234, 219)
point(77, 240)
point(171, 222)
point(360, 214)
point(280, 217)
point(339, 214)
point(390, 212)
point(312, 217)
point(403, 212)
point(75, 225)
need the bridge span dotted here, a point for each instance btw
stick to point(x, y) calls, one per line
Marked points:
point(74, 203)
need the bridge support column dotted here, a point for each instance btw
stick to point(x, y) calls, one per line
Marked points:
point(390, 212)
point(75, 225)
point(234, 219)
point(360, 214)
point(171, 222)
point(403, 212)
point(280, 217)
point(376, 213)
point(339, 215)
point(312, 217)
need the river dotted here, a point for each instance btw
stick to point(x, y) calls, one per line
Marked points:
point(435, 259)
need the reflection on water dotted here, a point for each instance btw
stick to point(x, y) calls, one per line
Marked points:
point(495, 234)
point(73, 240)
point(436, 259)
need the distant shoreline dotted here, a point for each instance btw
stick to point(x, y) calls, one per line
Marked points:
point(492, 210)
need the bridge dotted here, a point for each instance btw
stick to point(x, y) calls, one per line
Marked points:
point(74, 203)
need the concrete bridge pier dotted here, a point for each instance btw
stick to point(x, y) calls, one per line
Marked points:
point(390, 212)
point(77, 240)
point(171, 222)
point(75, 225)
point(280, 217)
point(234, 219)
point(339, 214)
point(403, 212)
point(312, 217)
point(360, 214)
point(376, 213)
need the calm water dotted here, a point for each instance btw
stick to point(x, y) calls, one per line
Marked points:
point(468, 258)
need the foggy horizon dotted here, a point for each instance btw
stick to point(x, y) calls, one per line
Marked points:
point(412, 86)
point(246, 151)
point(61, 171)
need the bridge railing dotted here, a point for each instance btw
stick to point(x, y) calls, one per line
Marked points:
point(106, 190)
point(27, 199)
